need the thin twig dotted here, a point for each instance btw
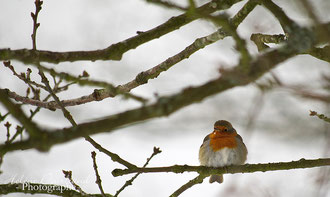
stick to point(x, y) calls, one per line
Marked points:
point(111, 89)
point(320, 116)
point(197, 180)
point(3, 117)
point(129, 182)
point(24, 77)
point(114, 51)
point(113, 156)
point(98, 178)
point(166, 105)
point(38, 5)
point(16, 111)
point(151, 73)
point(68, 175)
point(57, 100)
point(221, 20)
point(68, 116)
point(56, 89)
point(7, 125)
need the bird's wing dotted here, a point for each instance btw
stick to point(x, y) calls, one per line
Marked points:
point(205, 139)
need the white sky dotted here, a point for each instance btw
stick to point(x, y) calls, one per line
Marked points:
point(283, 130)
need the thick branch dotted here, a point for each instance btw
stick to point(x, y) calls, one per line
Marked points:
point(287, 24)
point(247, 168)
point(219, 20)
point(321, 53)
point(17, 112)
point(115, 51)
point(168, 104)
point(144, 76)
point(260, 40)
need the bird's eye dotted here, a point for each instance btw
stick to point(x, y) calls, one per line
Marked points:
point(225, 130)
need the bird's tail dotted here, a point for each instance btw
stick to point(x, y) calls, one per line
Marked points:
point(216, 178)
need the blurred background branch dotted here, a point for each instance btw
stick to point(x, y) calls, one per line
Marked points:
point(251, 68)
point(114, 51)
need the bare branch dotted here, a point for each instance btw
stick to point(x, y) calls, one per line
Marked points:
point(98, 178)
point(321, 53)
point(246, 168)
point(320, 116)
point(129, 182)
point(115, 51)
point(261, 39)
point(144, 76)
point(220, 20)
point(17, 112)
point(197, 180)
point(23, 77)
point(287, 24)
point(38, 4)
point(111, 89)
point(113, 156)
point(66, 113)
point(68, 175)
point(68, 116)
point(164, 106)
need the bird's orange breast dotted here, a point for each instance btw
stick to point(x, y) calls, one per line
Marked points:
point(219, 140)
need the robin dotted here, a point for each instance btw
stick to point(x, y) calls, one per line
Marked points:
point(222, 147)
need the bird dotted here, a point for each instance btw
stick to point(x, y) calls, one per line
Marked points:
point(222, 147)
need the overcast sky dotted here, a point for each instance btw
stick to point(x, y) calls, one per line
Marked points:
point(283, 130)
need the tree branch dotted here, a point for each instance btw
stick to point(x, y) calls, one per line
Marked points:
point(287, 24)
point(219, 20)
point(144, 76)
point(17, 112)
point(129, 182)
point(260, 40)
point(320, 116)
point(321, 53)
point(24, 77)
point(111, 89)
point(68, 175)
point(168, 104)
point(115, 51)
point(66, 113)
point(38, 5)
point(197, 180)
point(246, 168)
point(113, 156)
point(98, 178)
